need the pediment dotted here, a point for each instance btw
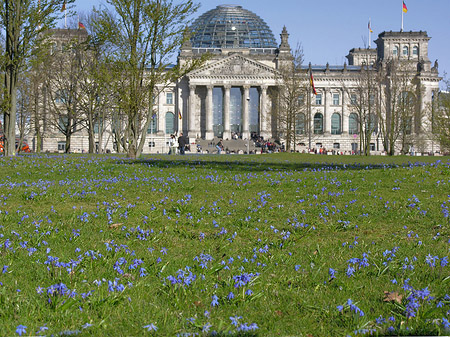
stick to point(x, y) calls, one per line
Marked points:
point(234, 66)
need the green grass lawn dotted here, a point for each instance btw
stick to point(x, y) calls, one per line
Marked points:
point(261, 245)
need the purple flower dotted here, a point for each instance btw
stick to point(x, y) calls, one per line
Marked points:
point(332, 273)
point(150, 327)
point(41, 329)
point(445, 323)
point(235, 320)
point(21, 329)
point(206, 327)
point(215, 301)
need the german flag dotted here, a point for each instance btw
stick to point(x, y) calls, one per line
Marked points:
point(81, 26)
point(311, 82)
point(405, 9)
point(63, 8)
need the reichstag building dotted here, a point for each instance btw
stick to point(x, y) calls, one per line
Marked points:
point(230, 96)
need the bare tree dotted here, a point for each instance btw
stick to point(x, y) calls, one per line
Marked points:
point(441, 117)
point(94, 85)
point(291, 110)
point(143, 35)
point(24, 22)
point(364, 105)
point(400, 104)
point(63, 85)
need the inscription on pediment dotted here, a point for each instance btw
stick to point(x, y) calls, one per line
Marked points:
point(235, 66)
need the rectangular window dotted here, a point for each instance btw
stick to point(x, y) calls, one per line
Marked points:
point(301, 100)
point(372, 99)
point(62, 146)
point(353, 99)
point(336, 146)
point(152, 128)
point(319, 99)
point(372, 146)
point(335, 99)
point(169, 98)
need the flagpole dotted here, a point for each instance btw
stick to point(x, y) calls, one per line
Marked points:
point(402, 17)
point(65, 18)
point(369, 32)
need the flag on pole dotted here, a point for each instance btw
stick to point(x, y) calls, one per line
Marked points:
point(311, 82)
point(370, 28)
point(81, 26)
point(179, 115)
point(405, 9)
point(63, 8)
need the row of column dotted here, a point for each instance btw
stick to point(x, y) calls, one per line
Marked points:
point(194, 114)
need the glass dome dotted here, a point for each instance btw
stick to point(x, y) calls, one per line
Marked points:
point(231, 26)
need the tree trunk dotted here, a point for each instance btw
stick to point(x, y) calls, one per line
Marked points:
point(10, 112)
point(91, 132)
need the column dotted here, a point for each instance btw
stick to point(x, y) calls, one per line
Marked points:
point(345, 114)
point(192, 115)
point(209, 113)
point(326, 117)
point(160, 114)
point(264, 123)
point(226, 113)
point(245, 114)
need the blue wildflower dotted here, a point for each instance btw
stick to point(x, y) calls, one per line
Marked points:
point(215, 300)
point(21, 329)
point(150, 327)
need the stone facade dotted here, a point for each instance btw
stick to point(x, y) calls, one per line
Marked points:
point(228, 97)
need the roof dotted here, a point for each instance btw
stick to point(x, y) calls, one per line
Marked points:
point(231, 26)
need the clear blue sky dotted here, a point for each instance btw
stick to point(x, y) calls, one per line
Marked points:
point(328, 29)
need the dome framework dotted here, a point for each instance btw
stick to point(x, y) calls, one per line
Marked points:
point(231, 26)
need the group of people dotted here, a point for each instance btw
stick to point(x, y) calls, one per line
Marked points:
point(183, 144)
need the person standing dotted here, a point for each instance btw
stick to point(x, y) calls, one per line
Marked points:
point(172, 148)
point(181, 143)
point(219, 147)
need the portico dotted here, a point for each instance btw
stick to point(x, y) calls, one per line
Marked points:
point(227, 99)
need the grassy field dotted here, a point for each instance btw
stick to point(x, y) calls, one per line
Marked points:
point(262, 245)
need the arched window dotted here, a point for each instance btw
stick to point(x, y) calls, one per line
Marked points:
point(300, 124)
point(395, 51)
point(353, 124)
point(336, 124)
point(54, 48)
point(318, 123)
point(61, 96)
point(407, 127)
point(405, 51)
point(415, 51)
point(170, 123)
